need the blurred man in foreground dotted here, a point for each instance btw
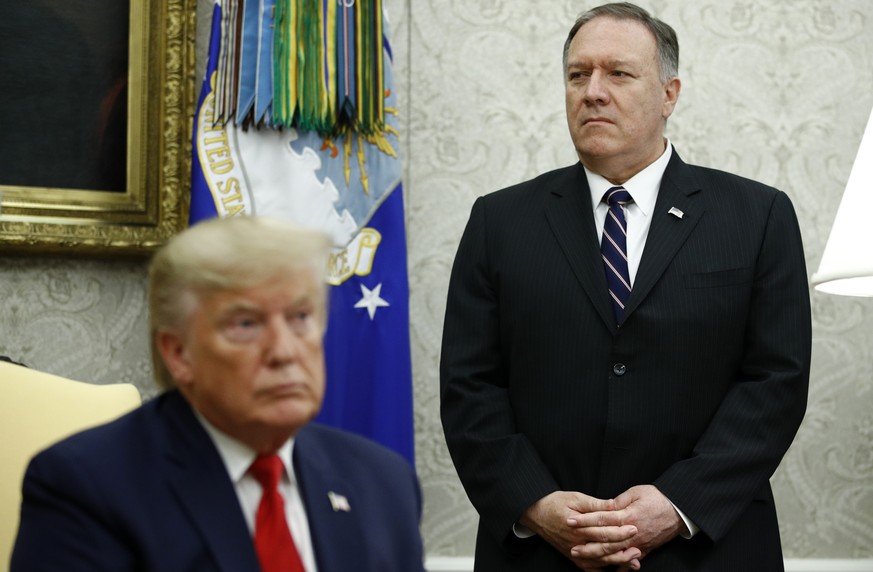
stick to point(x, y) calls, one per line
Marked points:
point(223, 471)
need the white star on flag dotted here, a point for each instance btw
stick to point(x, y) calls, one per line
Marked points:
point(371, 300)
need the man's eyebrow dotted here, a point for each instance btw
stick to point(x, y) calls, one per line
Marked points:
point(239, 306)
point(610, 64)
point(248, 306)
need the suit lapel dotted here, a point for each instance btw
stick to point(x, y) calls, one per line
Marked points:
point(335, 527)
point(568, 210)
point(667, 232)
point(198, 477)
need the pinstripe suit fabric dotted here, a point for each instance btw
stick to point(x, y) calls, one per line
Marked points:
point(715, 345)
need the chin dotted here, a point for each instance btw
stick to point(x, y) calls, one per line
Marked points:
point(294, 414)
point(597, 147)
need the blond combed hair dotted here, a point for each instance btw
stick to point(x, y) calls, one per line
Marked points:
point(226, 254)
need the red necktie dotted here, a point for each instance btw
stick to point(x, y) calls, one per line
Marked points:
point(273, 542)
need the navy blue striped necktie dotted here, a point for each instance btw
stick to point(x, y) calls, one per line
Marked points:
point(613, 248)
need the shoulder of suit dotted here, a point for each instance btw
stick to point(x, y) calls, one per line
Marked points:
point(721, 189)
point(129, 435)
point(710, 177)
point(344, 444)
point(542, 183)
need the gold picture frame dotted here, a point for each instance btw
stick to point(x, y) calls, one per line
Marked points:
point(154, 204)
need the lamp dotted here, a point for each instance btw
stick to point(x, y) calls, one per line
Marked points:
point(846, 266)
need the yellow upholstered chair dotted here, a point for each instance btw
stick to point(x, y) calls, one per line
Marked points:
point(37, 409)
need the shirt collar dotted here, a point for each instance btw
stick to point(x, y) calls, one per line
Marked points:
point(643, 186)
point(238, 456)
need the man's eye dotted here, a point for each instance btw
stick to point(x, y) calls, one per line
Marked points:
point(301, 321)
point(300, 316)
point(244, 323)
point(241, 329)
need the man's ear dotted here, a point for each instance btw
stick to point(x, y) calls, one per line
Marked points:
point(671, 96)
point(175, 356)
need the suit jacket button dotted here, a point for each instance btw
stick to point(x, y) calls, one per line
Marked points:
point(619, 369)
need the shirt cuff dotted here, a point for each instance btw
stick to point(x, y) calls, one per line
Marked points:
point(521, 531)
point(690, 528)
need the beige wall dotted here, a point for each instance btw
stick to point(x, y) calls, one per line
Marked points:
point(777, 90)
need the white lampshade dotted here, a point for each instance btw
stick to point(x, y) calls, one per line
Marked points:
point(847, 263)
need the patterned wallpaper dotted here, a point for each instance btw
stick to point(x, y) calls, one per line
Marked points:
point(777, 90)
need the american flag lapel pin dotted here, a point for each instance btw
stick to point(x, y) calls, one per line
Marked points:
point(676, 212)
point(338, 503)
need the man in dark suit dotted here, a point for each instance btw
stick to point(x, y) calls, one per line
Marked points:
point(237, 314)
point(627, 340)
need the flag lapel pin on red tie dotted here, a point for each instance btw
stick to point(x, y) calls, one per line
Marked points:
point(676, 212)
point(338, 502)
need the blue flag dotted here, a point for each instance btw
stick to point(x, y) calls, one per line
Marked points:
point(202, 204)
point(369, 373)
point(349, 187)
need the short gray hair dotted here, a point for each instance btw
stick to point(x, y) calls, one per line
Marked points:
point(665, 36)
point(226, 254)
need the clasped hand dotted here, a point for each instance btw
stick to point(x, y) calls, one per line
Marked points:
point(594, 533)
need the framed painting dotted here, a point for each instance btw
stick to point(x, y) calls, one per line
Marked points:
point(96, 101)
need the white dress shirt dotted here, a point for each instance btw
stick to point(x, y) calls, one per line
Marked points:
point(643, 187)
point(237, 459)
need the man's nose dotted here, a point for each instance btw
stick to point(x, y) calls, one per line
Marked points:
point(284, 343)
point(596, 91)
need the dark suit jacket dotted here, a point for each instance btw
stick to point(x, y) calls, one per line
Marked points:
point(150, 492)
point(700, 391)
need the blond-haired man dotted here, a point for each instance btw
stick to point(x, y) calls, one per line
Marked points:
point(237, 316)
